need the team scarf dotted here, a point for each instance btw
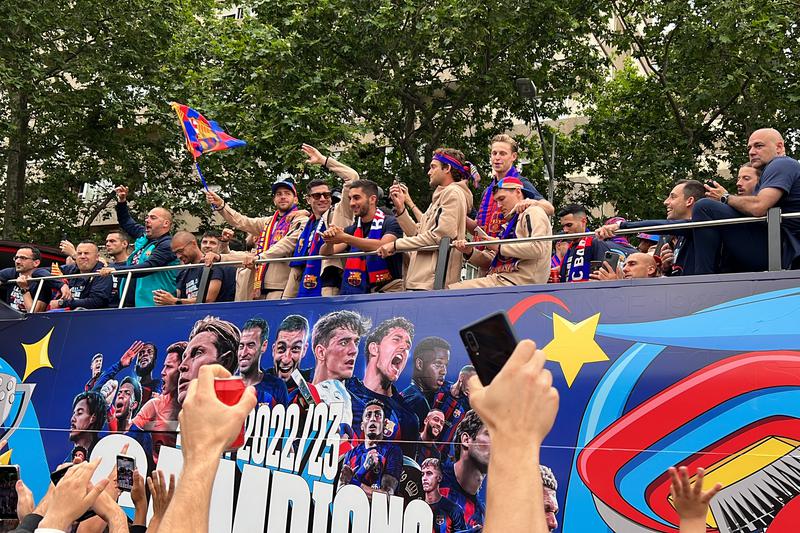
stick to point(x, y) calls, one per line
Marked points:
point(489, 213)
point(361, 273)
point(273, 231)
point(555, 261)
point(577, 263)
point(309, 244)
point(500, 263)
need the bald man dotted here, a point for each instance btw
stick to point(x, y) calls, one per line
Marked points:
point(637, 265)
point(221, 287)
point(151, 249)
point(746, 244)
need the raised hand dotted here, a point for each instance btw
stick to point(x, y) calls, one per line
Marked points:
point(126, 358)
point(122, 193)
point(315, 157)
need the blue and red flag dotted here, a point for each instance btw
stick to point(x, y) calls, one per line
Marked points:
point(203, 135)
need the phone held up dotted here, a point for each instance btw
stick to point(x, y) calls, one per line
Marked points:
point(125, 467)
point(489, 342)
point(9, 474)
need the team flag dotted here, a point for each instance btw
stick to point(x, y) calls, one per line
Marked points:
point(203, 135)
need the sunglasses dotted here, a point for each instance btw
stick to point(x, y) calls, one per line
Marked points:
point(318, 195)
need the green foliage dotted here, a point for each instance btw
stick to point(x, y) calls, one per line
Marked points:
point(703, 76)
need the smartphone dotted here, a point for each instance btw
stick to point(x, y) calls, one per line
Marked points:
point(662, 240)
point(710, 183)
point(613, 260)
point(125, 467)
point(489, 342)
point(9, 474)
point(229, 391)
point(56, 475)
point(302, 387)
point(594, 266)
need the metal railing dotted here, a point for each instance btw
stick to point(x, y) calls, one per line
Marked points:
point(773, 219)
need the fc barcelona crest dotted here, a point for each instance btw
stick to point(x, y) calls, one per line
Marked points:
point(310, 281)
point(354, 279)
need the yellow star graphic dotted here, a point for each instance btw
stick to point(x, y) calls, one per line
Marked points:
point(36, 355)
point(5, 459)
point(573, 345)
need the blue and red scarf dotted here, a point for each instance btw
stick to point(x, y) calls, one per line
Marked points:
point(578, 265)
point(309, 243)
point(500, 263)
point(362, 273)
point(489, 212)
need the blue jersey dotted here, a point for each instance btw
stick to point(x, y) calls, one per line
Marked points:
point(271, 390)
point(416, 401)
point(401, 424)
point(474, 506)
point(427, 450)
point(454, 410)
point(448, 516)
point(369, 465)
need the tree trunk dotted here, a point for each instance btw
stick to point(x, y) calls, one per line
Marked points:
point(17, 164)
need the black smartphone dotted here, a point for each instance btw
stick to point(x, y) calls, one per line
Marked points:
point(125, 467)
point(489, 342)
point(594, 266)
point(662, 240)
point(56, 475)
point(710, 183)
point(9, 474)
point(613, 260)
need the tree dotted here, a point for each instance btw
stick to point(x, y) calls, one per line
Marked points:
point(78, 83)
point(708, 74)
point(386, 82)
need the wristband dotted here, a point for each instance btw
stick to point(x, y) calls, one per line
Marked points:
point(178, 302)
point(325, 164)
point(401, 214)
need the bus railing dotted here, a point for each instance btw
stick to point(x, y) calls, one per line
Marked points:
point(773, 219)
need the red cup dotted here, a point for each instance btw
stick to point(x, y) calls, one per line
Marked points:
point(229, 391)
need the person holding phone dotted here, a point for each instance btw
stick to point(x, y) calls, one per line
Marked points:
point(523, 263)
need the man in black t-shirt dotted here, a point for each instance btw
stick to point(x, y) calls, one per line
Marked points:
point(745, 245)
point(372, 229)
point(19, 296)
point(220, 289)
point(85, 293)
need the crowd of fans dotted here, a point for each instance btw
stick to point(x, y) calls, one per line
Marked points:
point(208, 426)
point(404, 238)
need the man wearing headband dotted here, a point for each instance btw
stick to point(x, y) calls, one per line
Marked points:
point(504, 153)
point(521, 263)
point(445, 217)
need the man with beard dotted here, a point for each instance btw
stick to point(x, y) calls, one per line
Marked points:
point(270, 279)
point(462, 480)
point(212, 340)
point(86, 293)
point(288, 350)
point(745, 245)
point(448, 517)
point(126, 405)
point(88, 416)
point(374, 465)
point(151, 249)
point(96, 367)
point(145, 354)
point(431, 430)
point(159, 416)
point(387, 348)
point(220, 288)
point(453, 401)
point(334, 340)
point(20, 295)
point(117, 243)
point(431, 357)
point(252, 345)
point(372, 229)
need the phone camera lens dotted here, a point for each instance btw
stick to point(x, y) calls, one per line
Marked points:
point(472, 342)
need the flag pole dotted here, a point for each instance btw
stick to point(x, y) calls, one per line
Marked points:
point(203, 180)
